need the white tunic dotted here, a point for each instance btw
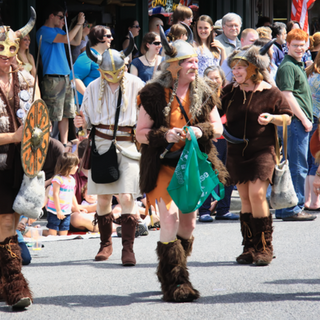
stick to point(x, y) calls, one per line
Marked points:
point(129, 169)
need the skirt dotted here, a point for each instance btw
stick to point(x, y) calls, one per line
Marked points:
point(128, 168)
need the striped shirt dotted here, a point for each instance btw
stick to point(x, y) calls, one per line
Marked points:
point(66, 193)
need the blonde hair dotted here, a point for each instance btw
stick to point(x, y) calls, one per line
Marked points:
point(29, 57)
point(265, 32)
point(314, 40)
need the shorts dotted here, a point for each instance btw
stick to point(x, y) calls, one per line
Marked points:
point(58, 95)
point(57, 224)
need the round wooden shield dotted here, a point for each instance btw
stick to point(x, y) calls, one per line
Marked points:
point(35, 138)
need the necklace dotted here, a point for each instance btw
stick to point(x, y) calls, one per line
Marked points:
point(152, 61)
point(6, 87)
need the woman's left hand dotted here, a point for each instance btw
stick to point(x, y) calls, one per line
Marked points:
point(265, 118)
point(197, 132)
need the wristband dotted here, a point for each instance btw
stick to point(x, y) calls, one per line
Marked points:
point(318, 173)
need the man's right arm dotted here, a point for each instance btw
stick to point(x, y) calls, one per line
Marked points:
point(297, 110)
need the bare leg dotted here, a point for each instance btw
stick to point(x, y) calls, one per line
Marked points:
point(8, 225)
point(314, 201)
point(169, 222)
point(258, 200)
point(63, 126)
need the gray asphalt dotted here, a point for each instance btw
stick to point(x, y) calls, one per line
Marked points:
point(68, 284)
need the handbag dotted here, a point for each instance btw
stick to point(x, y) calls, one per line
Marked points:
point(193, 179)
point(283, 194)
point(30, 198)
point(105, 167)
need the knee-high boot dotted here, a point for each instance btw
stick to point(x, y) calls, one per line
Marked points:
point(187, 245)
point(173, 274)
point(105, 229)
point(15, 287)
point(246, 257)
point(262, 240)
point(128, 226)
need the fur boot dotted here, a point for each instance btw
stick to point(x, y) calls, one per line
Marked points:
point(173, 274)
point(262, 240)
point(105, 229)
point(128, 226)
point(246, 257)
point(187, 245)
point(15, 287)
point(1, 287)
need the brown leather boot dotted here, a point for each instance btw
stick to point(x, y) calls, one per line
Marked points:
point(173, 274)
point(187, 245)
point(15, 287)
point(246, 257)
point(128, 227)
point(105, 229)
point(262, 240)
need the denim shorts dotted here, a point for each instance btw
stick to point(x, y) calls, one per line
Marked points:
point(57, 224)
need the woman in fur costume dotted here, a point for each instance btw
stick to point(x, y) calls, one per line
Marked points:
point(160, 123)
point(253, 107)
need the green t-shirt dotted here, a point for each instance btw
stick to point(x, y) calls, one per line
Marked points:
point(291, 76)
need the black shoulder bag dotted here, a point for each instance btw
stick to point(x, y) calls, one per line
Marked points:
point(105, 167)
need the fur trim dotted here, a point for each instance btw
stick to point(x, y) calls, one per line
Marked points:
point(15, 286)
point(187, 245)
point(207, 132)
point(252, 55)
point(173, 274)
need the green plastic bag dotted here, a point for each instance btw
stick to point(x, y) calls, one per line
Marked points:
point(194, 179)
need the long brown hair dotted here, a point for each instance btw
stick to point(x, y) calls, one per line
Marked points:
point(315, 66)
point(215, 51)
point(65, 163)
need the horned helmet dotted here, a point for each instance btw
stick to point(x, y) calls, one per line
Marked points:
point(111, 62)
point(10, 40)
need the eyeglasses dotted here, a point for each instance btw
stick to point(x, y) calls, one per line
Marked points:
point(138, 27)
point(108, 36)
point(61, 17)
point(156, 43)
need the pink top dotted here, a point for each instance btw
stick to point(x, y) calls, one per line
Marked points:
point(66, 193)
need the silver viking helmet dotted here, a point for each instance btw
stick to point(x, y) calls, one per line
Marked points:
point(9, 39)
point(111, 62)
point(179, 49)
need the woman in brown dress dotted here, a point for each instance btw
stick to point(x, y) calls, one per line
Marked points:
point(253, 107)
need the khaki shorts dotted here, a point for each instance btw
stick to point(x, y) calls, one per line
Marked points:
point(58, 95)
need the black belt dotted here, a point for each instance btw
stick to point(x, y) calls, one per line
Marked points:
point(57, 76)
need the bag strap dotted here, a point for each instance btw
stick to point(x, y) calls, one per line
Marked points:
point(182, 109)
point(116, 120)
point(285, 139)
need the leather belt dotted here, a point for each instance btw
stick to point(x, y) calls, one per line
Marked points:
point(118, 138)
point(57, 75)
point(111, 127)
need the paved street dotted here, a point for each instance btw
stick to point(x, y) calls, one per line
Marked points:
point(68, 284)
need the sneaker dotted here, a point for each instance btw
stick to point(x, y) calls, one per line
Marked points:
point(141, 230)
point(228, 216)
point(205, 218)
point(301, 216)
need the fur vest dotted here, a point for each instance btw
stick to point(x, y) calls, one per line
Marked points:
point(153, 100)
point(9, 122)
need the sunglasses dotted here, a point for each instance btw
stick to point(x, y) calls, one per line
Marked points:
point(87, 25)
point(108, 36)
point(61, 17)
point(138, 27)
point(156, 43)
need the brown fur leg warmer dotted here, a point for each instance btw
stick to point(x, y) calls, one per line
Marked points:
point(246, 257)
point(15, 287)
point(173, 274)
point(262, 240)
point(128, 229)
point(187, 245)
point(105, 229)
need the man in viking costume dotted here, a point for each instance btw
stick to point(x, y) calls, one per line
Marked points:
point(16, 87)
point(166, 102)
point(98, 110)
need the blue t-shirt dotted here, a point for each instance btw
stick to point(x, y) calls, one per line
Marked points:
point(144, 72)
point(53, 54)
point(86, 70)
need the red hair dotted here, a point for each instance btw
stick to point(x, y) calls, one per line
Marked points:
point(297, 34)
